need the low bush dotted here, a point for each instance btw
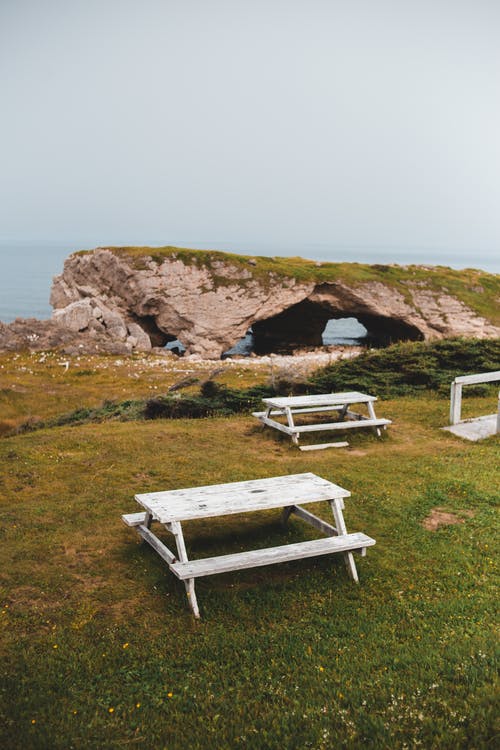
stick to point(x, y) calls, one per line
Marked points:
point(402, 369)
point(214, 400)
point(410, 368)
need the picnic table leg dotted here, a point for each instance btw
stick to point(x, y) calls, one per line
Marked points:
point(342, 413)
point(337, 508)
point(371, 412)
point(286, 513)
point(176, 530)
point(291, 423)
point(267, 414)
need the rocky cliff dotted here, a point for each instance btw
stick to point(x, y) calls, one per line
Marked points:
point(126, 299)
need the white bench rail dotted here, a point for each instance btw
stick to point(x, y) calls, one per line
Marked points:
point(485, 377)
point(456, 393)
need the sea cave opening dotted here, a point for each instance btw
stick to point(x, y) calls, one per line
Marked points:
point(176, 347)
point(159, 338)
point(311, 325)
point(344, 332)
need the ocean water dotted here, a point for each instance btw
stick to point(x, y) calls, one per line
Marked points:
point(27, 269)
point(26, 273)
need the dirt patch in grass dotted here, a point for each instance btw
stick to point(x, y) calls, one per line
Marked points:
point(31, 598)
point(441, 517)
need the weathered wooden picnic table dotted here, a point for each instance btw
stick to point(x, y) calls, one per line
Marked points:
point(288, 406)
point(289, 492)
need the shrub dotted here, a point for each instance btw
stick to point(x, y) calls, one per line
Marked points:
point(410, 367)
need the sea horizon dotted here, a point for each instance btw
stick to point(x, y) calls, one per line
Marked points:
point(27, 267)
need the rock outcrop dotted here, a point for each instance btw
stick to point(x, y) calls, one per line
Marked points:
point(125, 299)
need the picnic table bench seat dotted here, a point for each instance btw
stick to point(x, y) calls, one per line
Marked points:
point(259, 557)
point(328, 425)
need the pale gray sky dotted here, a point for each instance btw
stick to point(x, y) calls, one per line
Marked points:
point(337, 122)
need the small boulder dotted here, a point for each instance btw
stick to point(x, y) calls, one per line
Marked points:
point(142, 342)
point(75, 316)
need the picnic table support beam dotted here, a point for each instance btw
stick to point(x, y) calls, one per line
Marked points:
point(176, 529)
point(337, 506)
point(355, 415)
point(156, 544)
point(313, 520)
point(342, 412)
point(291, 424)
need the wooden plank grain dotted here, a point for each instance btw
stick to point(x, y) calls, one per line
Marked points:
point(239, 497)
point(323, 399)
point(342, 425)
point(322, 446)
point(134, 519)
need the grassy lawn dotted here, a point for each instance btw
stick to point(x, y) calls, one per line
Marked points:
point(38, 385)
point(99, 649)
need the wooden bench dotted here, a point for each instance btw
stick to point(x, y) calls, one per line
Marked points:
point(173, 507)
point(289, 406)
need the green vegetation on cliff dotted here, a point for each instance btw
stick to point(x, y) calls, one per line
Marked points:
point(479, 290)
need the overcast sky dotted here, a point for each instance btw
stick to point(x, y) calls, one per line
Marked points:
point(338, 122)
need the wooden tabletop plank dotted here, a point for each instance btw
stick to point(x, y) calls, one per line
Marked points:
point(238, 497)
point(322, 399)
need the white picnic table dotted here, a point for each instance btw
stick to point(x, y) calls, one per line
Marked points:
point(289, 492)
point(288, 406)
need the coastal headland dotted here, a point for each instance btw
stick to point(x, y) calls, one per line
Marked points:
point(126, 299)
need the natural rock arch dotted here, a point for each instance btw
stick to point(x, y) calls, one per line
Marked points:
point(302, 325)
point(156, 335)
point(136, 298)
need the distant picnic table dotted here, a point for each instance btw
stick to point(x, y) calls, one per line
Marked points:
point(290, 492)
point(340, 403)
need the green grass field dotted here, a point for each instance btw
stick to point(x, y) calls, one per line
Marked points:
point(99, 649)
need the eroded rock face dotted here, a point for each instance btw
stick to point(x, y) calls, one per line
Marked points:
point(181, 301)
point(109, 301)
